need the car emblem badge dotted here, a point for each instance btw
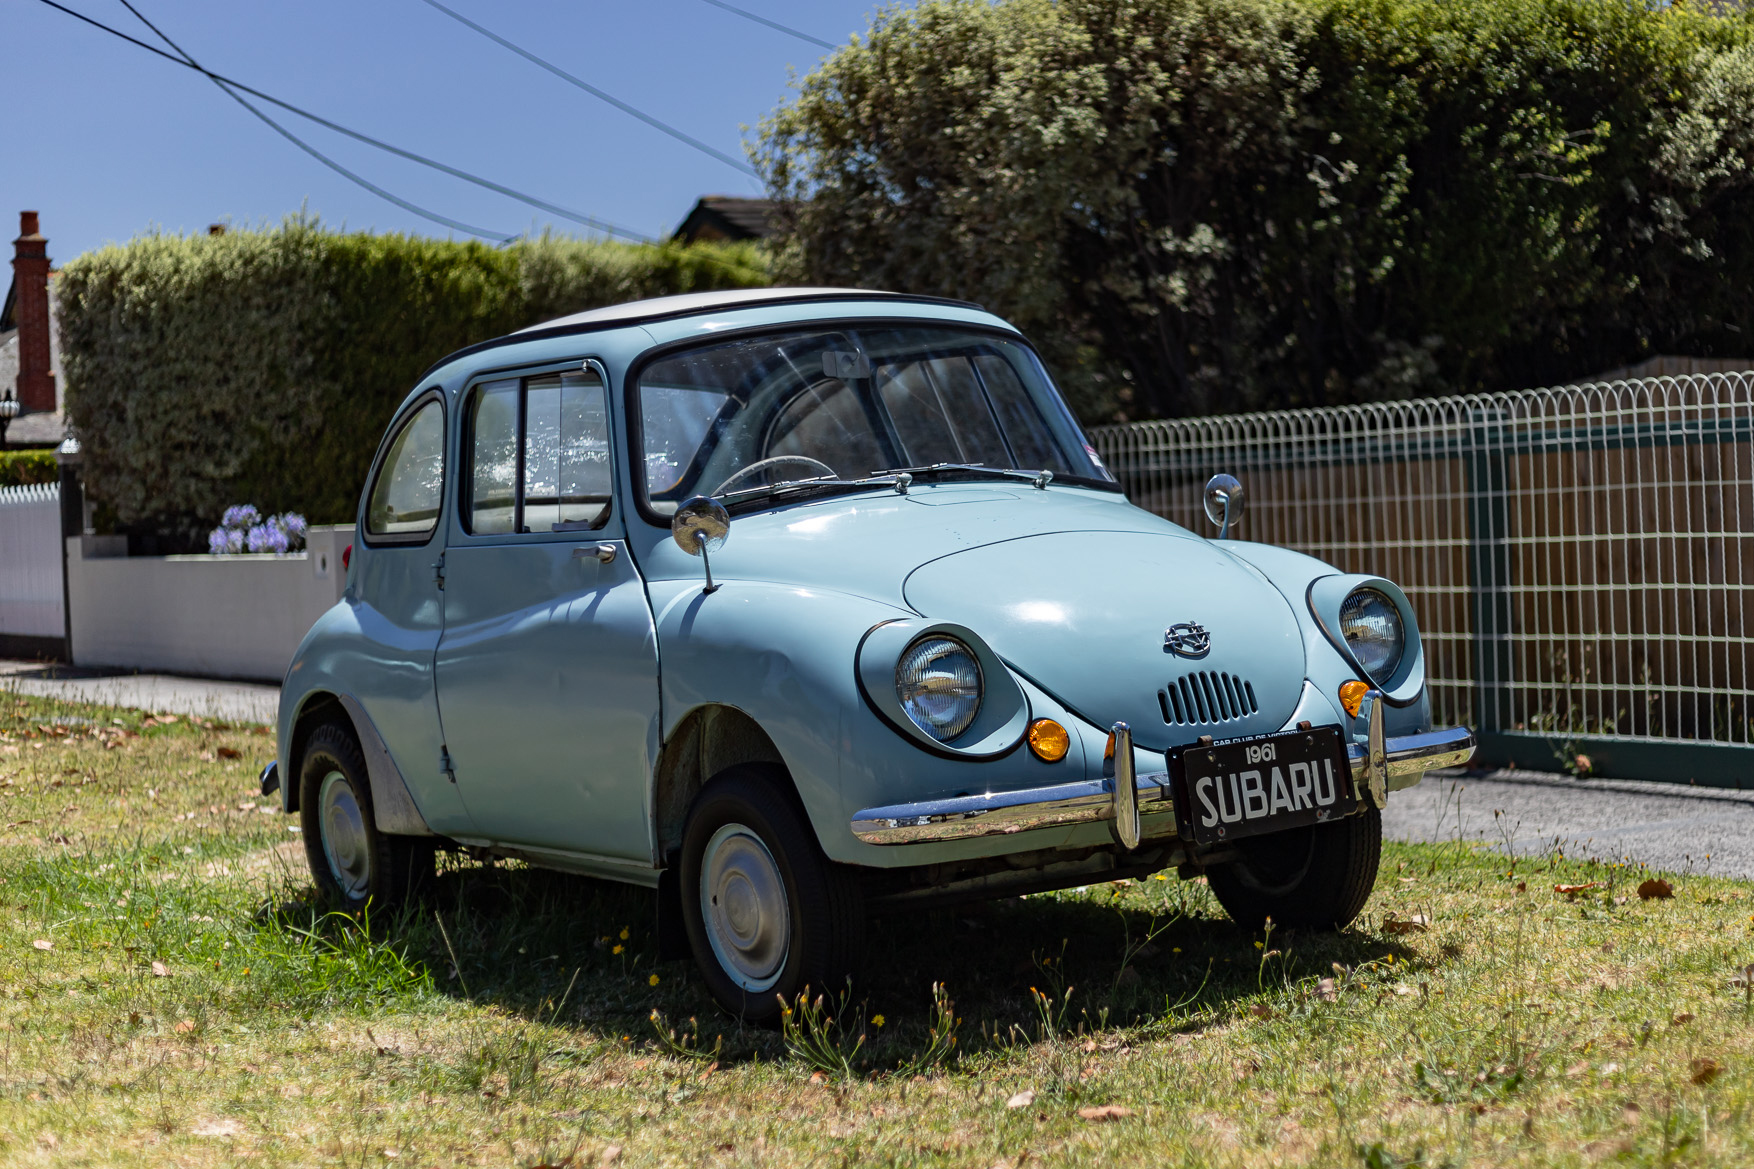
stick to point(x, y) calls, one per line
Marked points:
point(1185, 639)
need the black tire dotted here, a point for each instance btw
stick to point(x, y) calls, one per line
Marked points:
point(362, 866)
point(823, 922)
point(1317, 877)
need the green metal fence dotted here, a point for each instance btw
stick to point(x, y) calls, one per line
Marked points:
point(1581, 558)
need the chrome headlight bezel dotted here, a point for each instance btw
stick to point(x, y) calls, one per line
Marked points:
point(999, 723)
point(939, 685)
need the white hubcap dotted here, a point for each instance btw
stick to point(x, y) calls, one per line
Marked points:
point(743, 903)
point(344, 842)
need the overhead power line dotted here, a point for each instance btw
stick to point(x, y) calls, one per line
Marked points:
point(432, 216)
point(520, 196)
point(631, 111)
point(787, 29)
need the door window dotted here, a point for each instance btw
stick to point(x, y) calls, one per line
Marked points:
point(405, 499)
point(539, 454)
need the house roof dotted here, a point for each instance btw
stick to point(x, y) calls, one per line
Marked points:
point(727, 217)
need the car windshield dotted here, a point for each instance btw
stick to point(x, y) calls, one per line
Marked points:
point(825, 408)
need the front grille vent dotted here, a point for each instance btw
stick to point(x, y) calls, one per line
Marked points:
point(1206, 696)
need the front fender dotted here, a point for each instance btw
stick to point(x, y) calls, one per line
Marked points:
point(787, 656)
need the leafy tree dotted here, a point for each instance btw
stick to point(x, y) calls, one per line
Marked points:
point(1213, 205)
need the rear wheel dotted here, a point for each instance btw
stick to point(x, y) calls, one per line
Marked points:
point(1318, 876)
point(352, 863)
point(767, 914)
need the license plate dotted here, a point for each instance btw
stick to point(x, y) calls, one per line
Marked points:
point(1268, 783)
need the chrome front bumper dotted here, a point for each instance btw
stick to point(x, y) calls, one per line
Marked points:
point(1375, 765)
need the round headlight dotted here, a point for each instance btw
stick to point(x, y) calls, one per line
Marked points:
point(939, 683)
point(1372, 627)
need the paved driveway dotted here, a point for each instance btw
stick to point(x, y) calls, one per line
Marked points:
point(1666, 826)
point(234, 701)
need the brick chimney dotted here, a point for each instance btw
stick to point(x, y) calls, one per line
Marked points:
point(30, 266)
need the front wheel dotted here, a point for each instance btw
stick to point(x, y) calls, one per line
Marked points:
point(1317, 877)
point(352, 863)
point(767, 914)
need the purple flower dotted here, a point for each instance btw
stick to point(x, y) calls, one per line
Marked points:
point(293, 525)
point(267, 538)
point(219, 542)
point(241, 516)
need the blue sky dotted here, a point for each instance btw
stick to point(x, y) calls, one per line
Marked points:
point(108, 141)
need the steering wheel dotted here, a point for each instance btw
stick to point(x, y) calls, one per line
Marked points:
point(764, 464)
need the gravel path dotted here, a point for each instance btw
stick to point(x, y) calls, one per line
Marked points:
point(1666, 826)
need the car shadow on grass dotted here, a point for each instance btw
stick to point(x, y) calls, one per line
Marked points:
point(1151, 955)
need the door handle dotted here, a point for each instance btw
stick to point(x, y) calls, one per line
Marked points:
point(603, 553)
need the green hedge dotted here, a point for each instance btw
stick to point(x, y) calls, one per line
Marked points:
point(262, 366)
point(1204, 206)
point(18, 468)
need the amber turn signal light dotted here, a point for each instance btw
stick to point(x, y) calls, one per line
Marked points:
point(1352, 695)
point(1048, 740)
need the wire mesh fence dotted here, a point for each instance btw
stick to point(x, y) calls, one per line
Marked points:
point(1581, 559)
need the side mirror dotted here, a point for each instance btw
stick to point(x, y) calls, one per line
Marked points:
point(1225, 502)
point(700, 526)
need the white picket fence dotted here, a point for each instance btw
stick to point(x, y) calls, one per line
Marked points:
point(30, 561)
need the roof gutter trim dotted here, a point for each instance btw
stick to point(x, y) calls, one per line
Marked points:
point(626, 322)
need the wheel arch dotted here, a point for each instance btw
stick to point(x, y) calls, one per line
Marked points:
point(393, 807)
point(709, 739)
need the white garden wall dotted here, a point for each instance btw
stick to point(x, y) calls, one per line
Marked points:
point(218, 616)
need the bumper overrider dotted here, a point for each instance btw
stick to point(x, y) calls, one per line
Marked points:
point(1124, 798)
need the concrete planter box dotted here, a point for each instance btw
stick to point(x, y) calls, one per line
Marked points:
point(218, 616)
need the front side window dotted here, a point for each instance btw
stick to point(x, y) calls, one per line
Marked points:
point(410, 485)
point(827, 407)
point(538, 455)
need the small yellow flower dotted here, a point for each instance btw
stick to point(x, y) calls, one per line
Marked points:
point(618, 949)
point(1260, 945)
point(876, 1020)
point(624, 933)
point(652, 981)
point(654, 1015)
point(1175, 949)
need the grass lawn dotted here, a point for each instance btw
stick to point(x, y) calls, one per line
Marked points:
point(168, 996)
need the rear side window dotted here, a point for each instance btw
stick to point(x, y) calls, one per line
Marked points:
point(538, 455)
point(410, 484)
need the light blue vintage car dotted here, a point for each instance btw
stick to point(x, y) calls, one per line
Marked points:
point(799, 605)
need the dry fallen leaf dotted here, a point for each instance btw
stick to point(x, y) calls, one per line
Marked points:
point(1574, 890)
point(1261, 1011)
point(43, 944)
point(184, 1027)
point(1704, 1069)
point(1522, 886)
point(609, 1154)
point(1023, 1099)
point(232, 753)
point(1402, 990)
point(1417, 924)
point(160, 970)
point(226, 1127)
point(1655, 889)
point(1681, 1019)
point(1106, 1112)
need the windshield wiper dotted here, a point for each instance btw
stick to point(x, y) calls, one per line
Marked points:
point(1040, 479)
point(818, 483)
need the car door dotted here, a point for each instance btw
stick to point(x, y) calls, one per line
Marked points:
point(547, 670)
point(399, 608)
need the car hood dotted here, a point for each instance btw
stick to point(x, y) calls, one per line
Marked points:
point(1073, 588)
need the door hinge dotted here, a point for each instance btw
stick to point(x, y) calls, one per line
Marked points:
point(438, 571)
point(445, 767)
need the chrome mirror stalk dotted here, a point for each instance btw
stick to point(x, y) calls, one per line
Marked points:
point(699, 527)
